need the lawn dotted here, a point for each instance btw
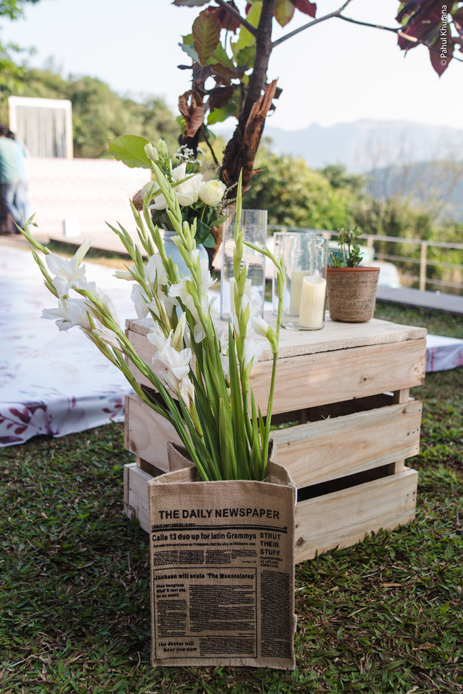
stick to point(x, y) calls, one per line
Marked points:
point(384, 616)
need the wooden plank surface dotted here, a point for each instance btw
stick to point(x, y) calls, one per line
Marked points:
point(316, 379)
point(146, 433)
point(333, 336)
point(332, 448)
point(343, 518)
point(136, 494)
point(439, 301)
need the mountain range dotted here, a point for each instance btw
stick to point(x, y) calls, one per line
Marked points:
point(366, 145)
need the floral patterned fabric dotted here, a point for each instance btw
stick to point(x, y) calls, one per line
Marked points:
point(52, 382)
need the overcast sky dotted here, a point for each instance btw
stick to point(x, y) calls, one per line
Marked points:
point(332, 73)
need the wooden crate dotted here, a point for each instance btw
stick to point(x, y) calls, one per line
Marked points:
point(146, 434)
point(347, 389)
point(331, 520)
point(341, 362)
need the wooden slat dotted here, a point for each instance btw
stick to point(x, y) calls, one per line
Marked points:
point(400, 396)
point(331, 521)
point(343, 518)
point(333, 336)
point(147, 433)
point(332, 448)
point(318, 379)
point(136, 494)
point(146, 351)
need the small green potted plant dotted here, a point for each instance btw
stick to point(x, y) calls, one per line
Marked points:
point(351, 287)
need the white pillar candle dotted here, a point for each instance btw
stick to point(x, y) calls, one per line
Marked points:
point(295, 293)
point(312, 307)
point(247, 291)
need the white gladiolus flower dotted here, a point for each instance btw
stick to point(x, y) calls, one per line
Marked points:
point(157, 337)
point(108, 337)
point(162, 148)
point(180, 290)
point(155, 270)
point(260, 325)
point(68, 273)
point(138, 297)
point(179, 332)
point(124, 274)
point(252, 352)
point(198, 333)
point(187, 192)
point(211, 192)
point(186, 390)
point(206, 278)
point(177, 362)
point(107, 303)
point(70, 312)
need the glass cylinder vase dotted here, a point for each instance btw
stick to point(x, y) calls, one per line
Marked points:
point(171, 250)
point(254, 225)
point(305, 257)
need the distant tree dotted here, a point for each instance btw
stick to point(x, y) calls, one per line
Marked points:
point(10, 71)
point(295, 195)
point(230, 49)
point(99, 114)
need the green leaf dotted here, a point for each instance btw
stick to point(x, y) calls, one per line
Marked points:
point(245, 38)
point(218, 115)
point(283, 12)
point(209, 242)
point(246, 56)
point(226, 442)
point(190, 51)
point(220, 56)
point(130, 149)
point(202, 231)
point(206, 35)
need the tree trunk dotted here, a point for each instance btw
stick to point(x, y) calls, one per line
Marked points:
point(241, 150)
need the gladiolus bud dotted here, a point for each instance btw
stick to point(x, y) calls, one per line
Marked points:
point(151, 152)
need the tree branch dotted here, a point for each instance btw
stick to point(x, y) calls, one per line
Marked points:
point(336, 13)
point(395, 30)
point(231, 10)
point(206, 139)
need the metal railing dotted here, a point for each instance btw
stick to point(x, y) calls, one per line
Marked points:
point(431, 273)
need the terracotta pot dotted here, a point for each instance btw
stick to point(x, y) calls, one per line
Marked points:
point(352, 293)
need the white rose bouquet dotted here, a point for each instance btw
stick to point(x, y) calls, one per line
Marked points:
point(201, 368)
point(198, 193)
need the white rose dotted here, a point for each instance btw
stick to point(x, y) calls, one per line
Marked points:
point(211, 192)
point(188, 191)
point(159, 203)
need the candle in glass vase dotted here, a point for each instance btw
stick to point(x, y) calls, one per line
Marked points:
point(296, 288)
point(312, 305)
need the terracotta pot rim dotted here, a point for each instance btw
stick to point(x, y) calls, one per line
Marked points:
point(359, 268)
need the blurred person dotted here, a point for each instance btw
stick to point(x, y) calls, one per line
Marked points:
point(13, 182)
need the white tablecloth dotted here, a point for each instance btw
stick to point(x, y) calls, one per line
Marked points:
point(52, 382)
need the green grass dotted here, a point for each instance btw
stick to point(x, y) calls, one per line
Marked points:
point(381, 617)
